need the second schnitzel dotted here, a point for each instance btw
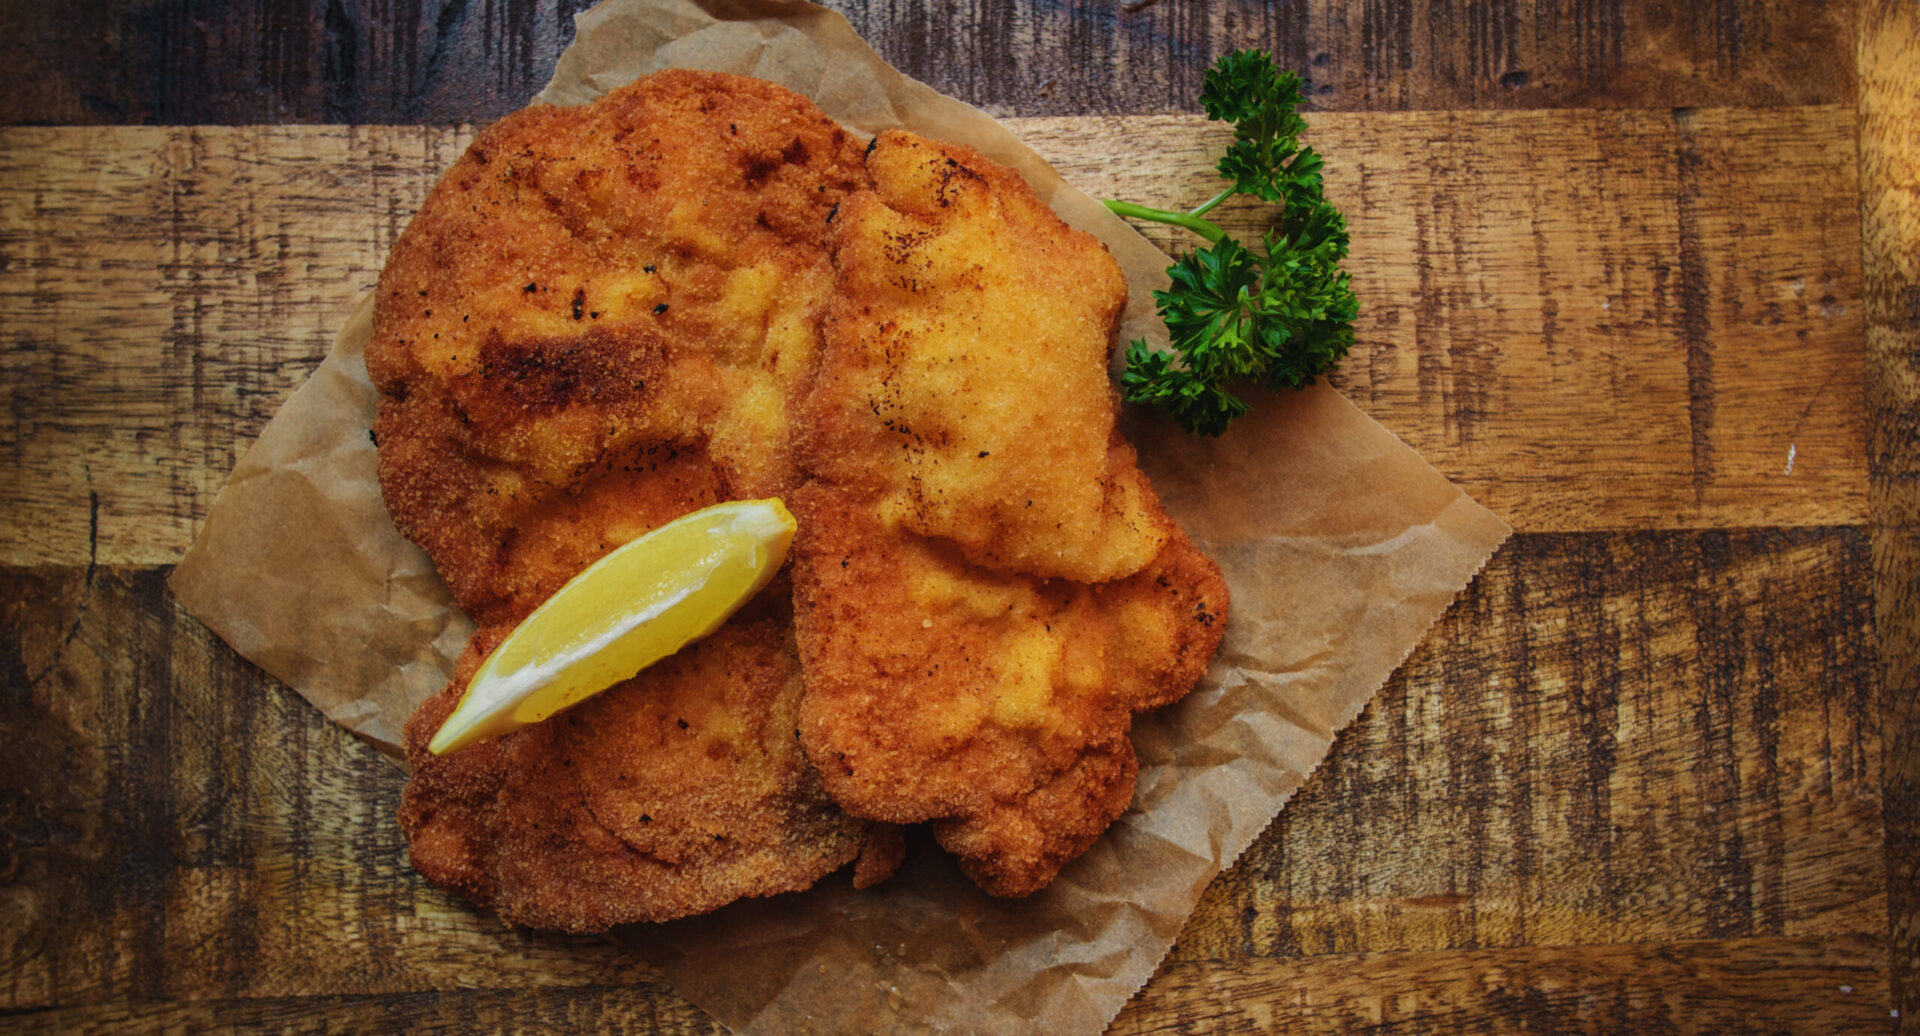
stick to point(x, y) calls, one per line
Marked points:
point(986, 586)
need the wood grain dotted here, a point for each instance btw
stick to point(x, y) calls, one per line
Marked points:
point(1732, 986)
point(161, 292)
point(1609, 739)
point(1633, 781)
point(184, 62)
point(632, 1006)
point(1591, 320)
point(1890, 212)
point(1645, 739)
point(451, 61)
point(1588, 320)
point(1037, 58)
point(178, 826)
point(181, 827)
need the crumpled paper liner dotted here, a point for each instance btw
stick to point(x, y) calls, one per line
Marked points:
point(1341, 547)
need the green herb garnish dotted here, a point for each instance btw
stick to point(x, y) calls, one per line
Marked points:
point(1283, 314)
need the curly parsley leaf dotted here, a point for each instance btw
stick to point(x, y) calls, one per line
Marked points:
point(1282, 314)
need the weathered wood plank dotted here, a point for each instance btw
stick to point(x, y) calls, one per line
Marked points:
point(1034, 58)
point(161, 292)
point(1828, 985)
point(178, 826)
point(186, 62)
point(1608, 739)
point(1890, 212)
point(637, 1007)
point(1639, 738)
point(449, 61)
point(1733, 986)
point(1590, 320)
point(1587, 320)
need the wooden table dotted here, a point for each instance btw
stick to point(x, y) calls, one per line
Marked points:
point(1642, 277)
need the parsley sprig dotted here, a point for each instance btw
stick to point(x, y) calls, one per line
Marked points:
point(1282, 314)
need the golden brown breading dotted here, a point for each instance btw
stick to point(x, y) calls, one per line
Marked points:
point(600, 320)
point(674, 793)
point(986, 587)
point(936, 688)
point(968, 380)
point(607, 316)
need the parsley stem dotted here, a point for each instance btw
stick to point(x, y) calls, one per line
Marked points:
point(1190, 220)
point(1225, 193)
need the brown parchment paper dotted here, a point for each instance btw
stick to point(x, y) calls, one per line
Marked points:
point(1341, 546)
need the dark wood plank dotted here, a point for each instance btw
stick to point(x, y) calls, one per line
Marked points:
point(1608, 739)
point(635, 1006)
point(1647, 738)
point(448, 61)
point(1813, 986)
point(1578, 349)
point(1890, 209)
point(190, 62)
point(1091, 57)
point(178, 826)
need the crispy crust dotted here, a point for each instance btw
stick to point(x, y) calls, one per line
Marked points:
point(607, 316)
point(600, 320)
point(671, 794)
point(986, 587)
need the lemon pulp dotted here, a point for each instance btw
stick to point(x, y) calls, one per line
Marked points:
point(639, 604)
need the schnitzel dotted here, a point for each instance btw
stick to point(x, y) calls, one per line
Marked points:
point(602, 318)
point(698, 289)
point(986, 586)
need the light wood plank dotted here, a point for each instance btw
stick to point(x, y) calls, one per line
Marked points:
point(161, 292)
point(1890, 212)
point(1589, 320)
point(1592, 320)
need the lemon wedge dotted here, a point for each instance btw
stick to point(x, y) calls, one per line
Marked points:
point(632, 608)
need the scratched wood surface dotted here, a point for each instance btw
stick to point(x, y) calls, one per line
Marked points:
point(1534, 324)
point(1467, 811)
point(1890, 216)
point(451, 61)
point(1642, 277)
